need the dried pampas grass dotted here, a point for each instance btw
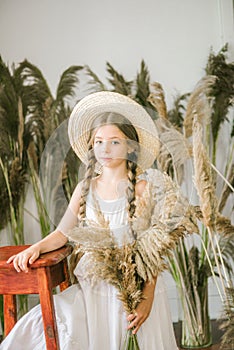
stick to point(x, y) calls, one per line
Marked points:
point(91, 237)
point(157, 99)
point(223, 224)
point(198, 104)
point(152, 248)
point(173, 142)
point(175, 149)
point(203, 177)
point(226, 191)
point(227, 325)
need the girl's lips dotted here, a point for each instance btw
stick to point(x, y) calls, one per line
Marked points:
point(106, 159)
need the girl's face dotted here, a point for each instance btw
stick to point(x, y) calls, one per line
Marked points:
point(110, 146)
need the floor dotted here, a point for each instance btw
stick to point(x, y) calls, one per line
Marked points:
point(216, 336)
point(213, 347)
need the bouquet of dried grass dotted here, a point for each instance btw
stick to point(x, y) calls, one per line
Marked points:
point(113, 264)
point(117, 266)
point(162, 216)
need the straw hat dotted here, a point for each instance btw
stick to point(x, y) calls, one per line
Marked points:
point(95, 104)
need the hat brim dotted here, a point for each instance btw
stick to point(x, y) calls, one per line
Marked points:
point(92, 106)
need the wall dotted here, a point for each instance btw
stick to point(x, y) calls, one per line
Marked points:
point(174, 37)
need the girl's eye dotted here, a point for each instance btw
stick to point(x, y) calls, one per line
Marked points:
point(112, 142)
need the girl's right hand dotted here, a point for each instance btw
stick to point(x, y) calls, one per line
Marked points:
point(22, 259)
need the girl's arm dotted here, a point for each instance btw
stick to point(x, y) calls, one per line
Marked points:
point(51, 242)
point(143, 309)
point(54, 240)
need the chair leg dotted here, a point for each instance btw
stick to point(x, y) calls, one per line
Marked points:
point(10, 312)
point(47, 308)
point(66, 283)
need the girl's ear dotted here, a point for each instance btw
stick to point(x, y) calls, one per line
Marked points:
point(131, 149)
point(132, 156)
point(132, 146)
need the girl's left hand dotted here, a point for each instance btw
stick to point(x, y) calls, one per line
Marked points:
point(141, 314)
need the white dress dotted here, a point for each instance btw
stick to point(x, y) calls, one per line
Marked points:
point(90, 317)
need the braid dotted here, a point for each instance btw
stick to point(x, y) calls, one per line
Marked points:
point(86, 183)
point(75, 257)
point(131, 192)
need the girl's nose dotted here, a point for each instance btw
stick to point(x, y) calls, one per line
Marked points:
point(106, 146)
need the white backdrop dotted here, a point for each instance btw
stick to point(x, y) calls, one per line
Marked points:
point(174, 37)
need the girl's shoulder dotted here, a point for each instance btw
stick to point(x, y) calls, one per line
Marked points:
point(141, 187)
point(77, 190)
point(74, 203)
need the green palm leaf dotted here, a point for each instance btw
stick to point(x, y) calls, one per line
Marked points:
point(119, 83)
point(8, 107)
point(67, 83)
point(36, 89)
point(176, 114)
point(223, 89)
point(95, 82)
point(142, 85)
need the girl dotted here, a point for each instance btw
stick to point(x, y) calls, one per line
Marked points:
point(118, 141)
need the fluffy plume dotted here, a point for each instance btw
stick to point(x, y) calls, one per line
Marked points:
point(228, 323)
point(157, 99)
point(17, 181)
point(203, 177)
point(116, 265)
point(226, 189)
point(198, 104)
point(91, 237)
point(170, 206)
point(152, 248)
point(175, 148)
point(223, 224)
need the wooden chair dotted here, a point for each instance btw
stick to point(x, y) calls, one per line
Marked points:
point(49, 271)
